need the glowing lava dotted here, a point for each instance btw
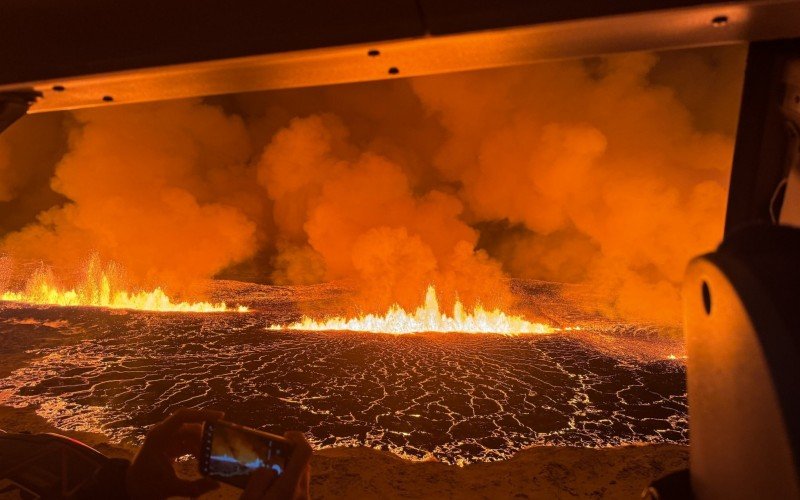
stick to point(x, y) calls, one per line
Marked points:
point(97, 291)
point(427, 318)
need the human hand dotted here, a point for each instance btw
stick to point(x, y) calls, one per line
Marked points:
point(293, 484)
point(151, 474)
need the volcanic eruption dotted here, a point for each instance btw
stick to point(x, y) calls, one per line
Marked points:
point(426, 318)
point(101, 288)
point(554, 204)
point(595, 172)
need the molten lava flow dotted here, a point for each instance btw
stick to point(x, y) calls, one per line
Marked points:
point(97, 291)
point(426, 318)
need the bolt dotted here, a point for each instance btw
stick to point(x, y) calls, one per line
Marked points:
point(719, 21)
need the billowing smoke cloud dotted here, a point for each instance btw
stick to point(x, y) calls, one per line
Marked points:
point(8, 179)
point(356, 212)
point(610, 172)
point(605, 172)
point(153, 188)
point(28, 151)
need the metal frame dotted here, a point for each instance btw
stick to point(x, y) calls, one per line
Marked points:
point(97, 53)
point(14, 105)
point(760, 161)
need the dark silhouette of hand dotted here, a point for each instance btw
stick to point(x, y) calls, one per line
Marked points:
point(151, 475)
point(293, 484)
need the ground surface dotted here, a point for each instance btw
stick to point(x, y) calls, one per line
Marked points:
point(485, 402)
point(542, 472)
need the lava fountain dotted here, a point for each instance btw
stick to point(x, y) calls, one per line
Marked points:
point(97, 290)
point(426, 318)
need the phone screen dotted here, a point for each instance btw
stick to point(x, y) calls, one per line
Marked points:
point(232, 452)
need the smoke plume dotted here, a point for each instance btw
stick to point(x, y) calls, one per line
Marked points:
point(604, 173)
point(610, 172)
point(355, 211)
point(153, 188)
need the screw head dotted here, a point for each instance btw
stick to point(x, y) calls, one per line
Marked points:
point(719, 21)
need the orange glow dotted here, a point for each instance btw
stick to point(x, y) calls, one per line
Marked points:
point(98, 291)
point(426, 318)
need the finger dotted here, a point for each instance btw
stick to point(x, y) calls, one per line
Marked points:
point(163, 431)
point(195, 488)
point(190, 416)
point(188, 439)
point(301, 452)
point(258, 484)
point(303, 490)
point(287, 484)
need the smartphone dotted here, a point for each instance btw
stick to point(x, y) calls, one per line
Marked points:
point(232, 452)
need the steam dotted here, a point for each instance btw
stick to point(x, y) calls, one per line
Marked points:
point(604, 172)
point(355, 212)
point(8, 176)
point(151, 188)
point(610, 172)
